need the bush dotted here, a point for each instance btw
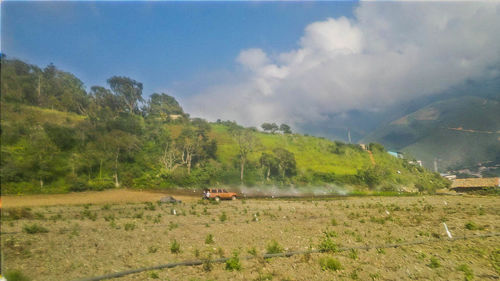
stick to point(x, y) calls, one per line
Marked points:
point(34, 228)
point(233, 263)
point(274, 248)
point(472, 226)
point(329, 263)
point(175, 247)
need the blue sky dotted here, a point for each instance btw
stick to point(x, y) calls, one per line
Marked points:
point(165, 45)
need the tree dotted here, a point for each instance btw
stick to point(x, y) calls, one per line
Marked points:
point(117, 142)
point(189, 142)
point(269, 163)
point(247, 142)
point(285, 129)
point(286, 162)
point(129, 90)
point(268, 127)
point(163, 105)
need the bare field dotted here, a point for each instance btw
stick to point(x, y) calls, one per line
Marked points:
point(74, 241)
point(90, 197)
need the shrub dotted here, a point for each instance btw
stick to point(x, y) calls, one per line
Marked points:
point(274, 248)
point(175, 247)
point(233, 263)
point(334, 222)
point(209, 239)
point(34, 228)
point(154, 275)
point(329, 263)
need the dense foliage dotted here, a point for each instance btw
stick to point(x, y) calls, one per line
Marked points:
point(58, 137)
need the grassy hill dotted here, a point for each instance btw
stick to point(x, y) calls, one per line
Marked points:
point(57, 137)
point(457, 132)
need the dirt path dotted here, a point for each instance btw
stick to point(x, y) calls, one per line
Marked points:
point(90, 197)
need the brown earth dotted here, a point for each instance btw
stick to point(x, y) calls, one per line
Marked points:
point(89, 240)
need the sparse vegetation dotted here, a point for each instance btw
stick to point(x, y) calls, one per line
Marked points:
point(330, 263)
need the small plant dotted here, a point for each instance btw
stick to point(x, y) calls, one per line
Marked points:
point(223, 217)
point(353, 254)
point(152, 249)
point(233, 263)
point(220, 252)
point(197, 252)
point(329, 263)
point(106, 207)
point(207, 263)
point(129, 226)
point(154, 275)
point(175, 247)
point(434, 263)
point(469, 275)
point(274, 248)
point(334, 222)
point(209, 239)
point(328, 245)
point(471, 226)
point(172, 225)
point(34, 228)
point(380, 251)
point(252, 251)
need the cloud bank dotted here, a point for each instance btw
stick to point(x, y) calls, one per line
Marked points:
point(387, 53)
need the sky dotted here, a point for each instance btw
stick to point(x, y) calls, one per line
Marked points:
point(294, 62)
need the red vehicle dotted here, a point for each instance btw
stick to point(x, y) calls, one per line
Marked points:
point(218, 193)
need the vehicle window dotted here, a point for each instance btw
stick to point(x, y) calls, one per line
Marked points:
point(224, 190)
point(219, 190)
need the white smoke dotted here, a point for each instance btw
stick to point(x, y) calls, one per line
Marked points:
point(388, 53)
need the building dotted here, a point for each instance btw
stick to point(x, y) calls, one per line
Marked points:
point(474, 184)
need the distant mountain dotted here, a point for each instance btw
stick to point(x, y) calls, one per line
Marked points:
point(457, 132)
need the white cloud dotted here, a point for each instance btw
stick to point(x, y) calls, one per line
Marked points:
point(389, 52)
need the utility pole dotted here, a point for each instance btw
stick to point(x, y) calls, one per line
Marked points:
point(435, 165)
point(349, 134)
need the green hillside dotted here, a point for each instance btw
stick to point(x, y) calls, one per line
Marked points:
point(458, 132)
point(57, 137)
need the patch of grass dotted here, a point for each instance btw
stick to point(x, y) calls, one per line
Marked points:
point(154, 275)
point(274, 248)
point(16, 275)
point(129, 226)
point(434, 263)
point(233, 263)
point(175, 247)
point(19, 213)
point(34, 228)
point(472, 226)
point(330, 263)
point(469, 275)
